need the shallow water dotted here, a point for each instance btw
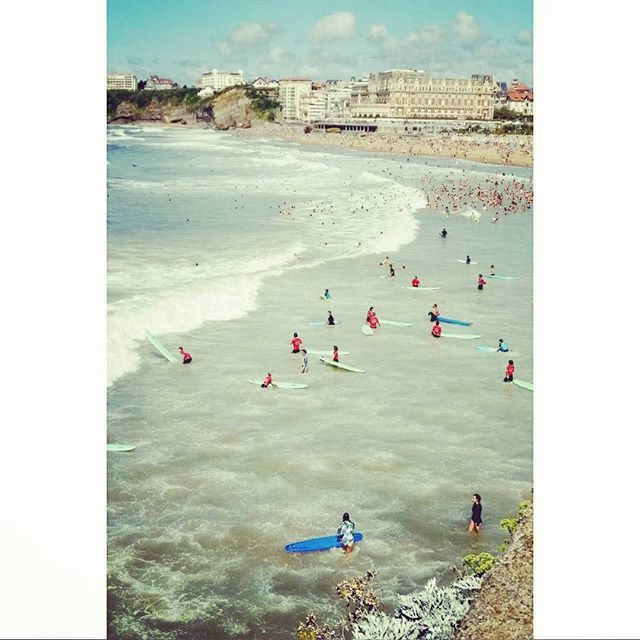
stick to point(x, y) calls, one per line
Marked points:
point(225, 473)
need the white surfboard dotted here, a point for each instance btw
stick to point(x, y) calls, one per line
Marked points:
point(159, 346)
point(465, 262)
point(283, 385)
point(319, 352)
point(367, 330)
point(460, 336)
point(505, 277)
point(319, 323)
point(421, 288)
point(394, 323)
point(523, 384)
point(341, 365)
point(120, 447)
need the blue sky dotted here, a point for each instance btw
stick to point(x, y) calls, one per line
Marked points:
point(320, 40)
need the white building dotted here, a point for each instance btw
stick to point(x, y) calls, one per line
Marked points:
point(338, 98)
point(265, 83)
point(219, 80)
point(155, 83)
point(313, 105)
point(126, 81)
point(291, 91)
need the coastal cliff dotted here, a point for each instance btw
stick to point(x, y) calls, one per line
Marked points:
point(235, 107)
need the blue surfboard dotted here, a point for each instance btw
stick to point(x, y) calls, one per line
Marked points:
point(318, 544)
point(452, 321)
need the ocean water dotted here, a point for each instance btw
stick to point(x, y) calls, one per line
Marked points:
point(225, 473)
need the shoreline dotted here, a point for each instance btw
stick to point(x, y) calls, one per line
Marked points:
point(515, 151)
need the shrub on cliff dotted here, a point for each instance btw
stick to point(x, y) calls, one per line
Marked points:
point(479, 563)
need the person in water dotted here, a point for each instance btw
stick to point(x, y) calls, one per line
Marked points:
point(374, 323)
point(468, 260)
point(475, 523)
point(305, 362)
point(331, 320)
point(434, 313)
point(415, 282)
point(327, 295)
point(391, 271)
point(502, 346)
point(443, 233)
point(481, 282)
point(369, 314)
point(493, 271)
point(295, 343)
point(345, 533)
point(436, 331)
point(510, 370)
point(336, 355)
point(186, 356)
point(267, 381)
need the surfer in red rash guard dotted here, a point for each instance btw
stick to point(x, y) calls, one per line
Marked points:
point(267, 381)
point(186, 356)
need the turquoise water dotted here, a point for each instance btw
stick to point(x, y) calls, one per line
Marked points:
point(225, 473)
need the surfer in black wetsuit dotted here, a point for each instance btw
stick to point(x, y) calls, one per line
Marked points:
point(476, 514)
point(391, 271)
point(330, 319)
point(443, 233)
point(468, 260)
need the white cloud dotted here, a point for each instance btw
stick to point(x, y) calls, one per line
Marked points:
point(378, 34)
point(426, 36)
point(249, 34)
point(466, 27)
point(279, 55)
point(336, 26)
point(524, 37)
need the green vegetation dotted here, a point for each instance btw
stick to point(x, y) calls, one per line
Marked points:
point(142, 99)
point(479, 563)
point(509, 524)
point(263, 104)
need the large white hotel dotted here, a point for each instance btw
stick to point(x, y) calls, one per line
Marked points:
point(126, 81)
point(219, 80)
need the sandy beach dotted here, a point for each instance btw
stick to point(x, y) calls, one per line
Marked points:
point(507, 150)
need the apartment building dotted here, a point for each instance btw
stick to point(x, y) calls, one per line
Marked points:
point(410, 93)
point(219, 80)
point(520, 98)
point(122, 81)
point(291, 91)
point(265, 83)
point(155, 83)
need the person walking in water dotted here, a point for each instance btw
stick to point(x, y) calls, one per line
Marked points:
point(345, 533)
point(305, 362)
point(330, 319)
point(492, 272)
point(336, 355)
point(436, 331)
point(434, 313)
point(374, 323)
point(481, 282)
point(509, 371)
point(443, 233)
point(415, 282)
point(475, 523)
point(295, 343)
point(468, 260)
point(391, 271)
point(327, 295)
point(369, 314)
point(186, 356)
point(267, 381)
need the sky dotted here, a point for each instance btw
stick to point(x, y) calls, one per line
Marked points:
point(320, 40)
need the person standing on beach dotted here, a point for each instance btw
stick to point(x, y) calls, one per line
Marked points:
point(186, 356)
point(509, 371)
point(295, 343)
point(415, 282)
point(475, 523)
point(481, 282)
point(305, 362)
point(345, 533)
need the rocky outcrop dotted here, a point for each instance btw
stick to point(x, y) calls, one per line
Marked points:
point(503, 610)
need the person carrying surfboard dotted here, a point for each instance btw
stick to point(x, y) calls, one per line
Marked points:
point(475, 522)
point(186, 356)
point(267, 381)
point(295, 343)
point(415, 282)
point(510, 370)
point(434, 313)
point(330, 319)
point(436, 331)
point(336, 355)
point(481, 282)
point(305, 361)
point(345, 533)
point(502, 346)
